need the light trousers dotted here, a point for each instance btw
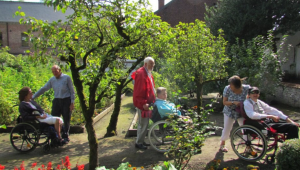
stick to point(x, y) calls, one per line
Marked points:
point(142, 127)
point(228, 124)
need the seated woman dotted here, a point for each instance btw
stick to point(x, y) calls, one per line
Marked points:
point(164, 107)
point(30, 110)
point(257, 109)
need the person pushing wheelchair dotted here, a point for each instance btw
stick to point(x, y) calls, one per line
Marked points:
point(258, 110)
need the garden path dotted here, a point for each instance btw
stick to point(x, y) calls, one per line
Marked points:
point(118, 149)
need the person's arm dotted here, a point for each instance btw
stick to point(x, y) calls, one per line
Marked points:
point(252, 114)
point(225, 98)
point(139, 92)
point(72, 92)
point(26, 112)
point(288, 120)
point(272, 111)
point(42, 90)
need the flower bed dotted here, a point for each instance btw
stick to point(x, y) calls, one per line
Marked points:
point(65, 165)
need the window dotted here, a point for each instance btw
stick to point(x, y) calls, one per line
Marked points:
point(24, 40)
point(1, 39)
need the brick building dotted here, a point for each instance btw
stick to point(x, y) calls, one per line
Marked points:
point(183, 10)
point(11, 32)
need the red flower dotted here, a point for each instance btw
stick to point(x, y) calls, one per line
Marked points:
point(39, 168)
point(33, 165)
point(16, 168)
point(80, 167)
point(2, 167)
point(49, 166)
point(58, 167)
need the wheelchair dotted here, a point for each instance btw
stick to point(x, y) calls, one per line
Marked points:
point(251, 144)
point(26, 136)
point(161, 134)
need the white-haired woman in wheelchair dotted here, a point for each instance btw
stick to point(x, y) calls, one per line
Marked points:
point(257, 110)
point(31, 111)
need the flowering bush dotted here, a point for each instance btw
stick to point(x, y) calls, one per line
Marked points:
point(190, 133)
point(65, 165)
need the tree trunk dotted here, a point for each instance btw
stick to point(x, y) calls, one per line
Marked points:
point(93, 143)
point(112, 127)
point(199, 95)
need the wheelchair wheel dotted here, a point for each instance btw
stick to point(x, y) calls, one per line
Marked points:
point(161, 136)
point(24, 137)
point(248, 143)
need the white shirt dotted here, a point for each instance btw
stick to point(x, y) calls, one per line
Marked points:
point(252, 113)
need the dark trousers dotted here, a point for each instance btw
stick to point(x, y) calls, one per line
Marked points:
point(280, 127)
point(61, 107)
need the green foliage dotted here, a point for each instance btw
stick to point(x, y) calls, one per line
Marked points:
point(189, 136)
point(95, 41)
point(248, 19)
point(257, 60)
point(288, 155)
point(127, 166)
point(2, 126)
point(199, 57)
point(31, 74)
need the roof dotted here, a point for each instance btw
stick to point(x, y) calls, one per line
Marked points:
point(37, 10)
point(185, 11)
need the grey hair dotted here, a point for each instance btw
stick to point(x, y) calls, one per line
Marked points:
point(147, 59)
point(56, 66)
point(160, 90)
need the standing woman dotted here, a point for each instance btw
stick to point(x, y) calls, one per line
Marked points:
point(233, 94)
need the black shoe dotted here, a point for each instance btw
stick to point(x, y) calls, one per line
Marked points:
point(146, 144)
point(140, 146)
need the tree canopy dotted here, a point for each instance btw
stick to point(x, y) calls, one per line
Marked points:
point(95, 41)
point(200, 57)
point(248, 19)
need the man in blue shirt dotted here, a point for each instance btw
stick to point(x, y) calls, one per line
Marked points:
point(164, 107)
point(64, 96)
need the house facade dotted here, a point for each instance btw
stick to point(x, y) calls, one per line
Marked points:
point(183, 10)
point(12, 32)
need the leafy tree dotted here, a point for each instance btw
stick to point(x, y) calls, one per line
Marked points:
point(200, 57)
point(93, 42)
point(256, 60)
point(6, 58)
point(248, 19)
point(150, 45)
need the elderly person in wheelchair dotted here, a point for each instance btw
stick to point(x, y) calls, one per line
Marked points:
point(165, 108)
point(257, 110)
point(31, 111)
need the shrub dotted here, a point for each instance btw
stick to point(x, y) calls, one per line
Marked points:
point(288, 155)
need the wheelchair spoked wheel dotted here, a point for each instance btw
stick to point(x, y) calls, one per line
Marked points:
point(24, 137)
point(249, 143)
point(161, 136)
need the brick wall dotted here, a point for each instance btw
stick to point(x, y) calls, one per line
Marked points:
point(184, 11)
point(13, 31)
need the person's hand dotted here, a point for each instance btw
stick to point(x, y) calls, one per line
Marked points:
point(275, 118)
point(290, 121)
point(44, 116)
point(295, 123)
point(71, 106)
point(146, 106)
point(236, 103)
